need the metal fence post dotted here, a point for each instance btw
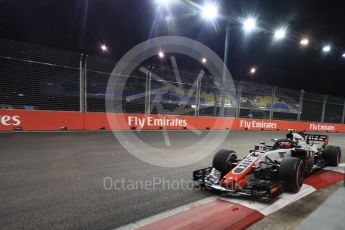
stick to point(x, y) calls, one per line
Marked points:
point(343, 117)
point(148, 91)
point(81, 85)
point(226, 56)
point(238, 102)
point(222, 102)
point(272, 104)
point(198, 90)
point(85, 83)
point(324, 108)
point(215, 104)
point(300, 105)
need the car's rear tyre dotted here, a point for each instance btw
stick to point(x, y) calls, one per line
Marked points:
point(223, 160)
point(332, 155)
point(292, 173)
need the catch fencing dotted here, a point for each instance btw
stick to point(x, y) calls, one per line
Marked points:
point(40, 78)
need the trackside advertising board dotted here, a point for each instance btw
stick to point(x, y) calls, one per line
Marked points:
point(52, 120)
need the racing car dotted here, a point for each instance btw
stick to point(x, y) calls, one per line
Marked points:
point(269, 170)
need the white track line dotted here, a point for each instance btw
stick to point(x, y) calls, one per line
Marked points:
point(288, 198)
point(269, 208)
point(340, 168)
point(163, 215)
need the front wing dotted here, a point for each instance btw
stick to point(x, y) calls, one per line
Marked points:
point(210, 179)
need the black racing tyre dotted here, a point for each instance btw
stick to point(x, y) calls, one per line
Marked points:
point(292, 173)
point(332, 155)
point(223, 160)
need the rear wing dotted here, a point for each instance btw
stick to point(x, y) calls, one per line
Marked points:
point(316, 137)
point(309, 137)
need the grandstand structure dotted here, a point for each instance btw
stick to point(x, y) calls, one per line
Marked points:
point(40, 78)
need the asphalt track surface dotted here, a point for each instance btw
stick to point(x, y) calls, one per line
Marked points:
point(56, 180)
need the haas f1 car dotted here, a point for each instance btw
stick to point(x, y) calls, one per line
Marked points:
point(268, 170)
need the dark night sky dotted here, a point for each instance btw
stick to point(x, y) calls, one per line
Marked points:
point(81, 25)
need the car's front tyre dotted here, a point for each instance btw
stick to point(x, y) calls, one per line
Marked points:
point(291, 172)
point(223, 161)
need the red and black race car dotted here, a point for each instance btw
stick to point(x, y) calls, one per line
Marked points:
point(267, 170)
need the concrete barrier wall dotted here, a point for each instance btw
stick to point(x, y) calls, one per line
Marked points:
point(53, 120)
